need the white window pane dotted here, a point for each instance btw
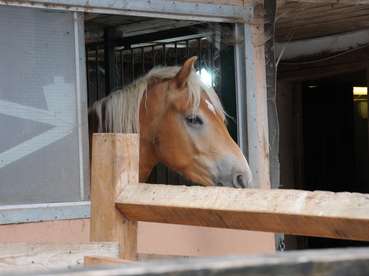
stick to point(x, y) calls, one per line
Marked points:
point(39, 160)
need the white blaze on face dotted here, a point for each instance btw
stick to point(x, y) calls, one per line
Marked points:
point(210, 106)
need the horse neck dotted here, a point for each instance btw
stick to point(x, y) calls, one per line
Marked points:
point(152, 108)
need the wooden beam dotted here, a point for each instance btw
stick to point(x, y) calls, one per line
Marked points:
point(326, 262)
point(321, 46)
point(321, 214)
point(114, 166)
point(257, 111)
point(351, 2)
point(100, 261)
point(27, 257)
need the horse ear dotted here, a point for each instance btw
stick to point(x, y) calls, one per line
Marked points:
point(184, 73)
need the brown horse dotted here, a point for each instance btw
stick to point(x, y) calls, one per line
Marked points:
point(181, 123)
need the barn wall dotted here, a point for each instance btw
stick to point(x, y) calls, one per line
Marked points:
point(179, 240)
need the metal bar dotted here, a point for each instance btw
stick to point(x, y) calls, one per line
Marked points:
point(239, 57)
point(109, 60)
point(121, 68)
point(89, 100)
point(176, 53)
point(164, 55)
point(199, 53)
point(187, 49)
point(159, 8)
point(143, 59)
point(153, 55)
point(10, 214)
point(81, 98)
point(212, 62)
point(132, 65)
point(97, 73)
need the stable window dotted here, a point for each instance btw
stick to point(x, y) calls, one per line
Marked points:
point(120, 49)
point(42, 105)
point(48, 80)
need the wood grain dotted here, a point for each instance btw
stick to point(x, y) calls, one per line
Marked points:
point(103, 261)
point(26, 257)
point(329, 262)
point(114, 166)
point(321, 214)
point(309, 19)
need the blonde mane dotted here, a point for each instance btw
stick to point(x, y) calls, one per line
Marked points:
point(120, 110)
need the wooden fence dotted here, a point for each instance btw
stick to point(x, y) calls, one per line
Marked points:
point(118, 201)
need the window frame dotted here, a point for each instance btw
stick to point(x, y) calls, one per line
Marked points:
point(10, 214)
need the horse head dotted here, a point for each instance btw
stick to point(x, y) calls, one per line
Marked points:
point(182, 125)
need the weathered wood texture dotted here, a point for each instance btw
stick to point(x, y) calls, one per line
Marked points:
point(308, 19)
point(99, 261)
point(338, 262)
point(114, 166)
point(320, 67)
point(23, 257)
point(218, 2)
point(322, 214)
point(257, 109)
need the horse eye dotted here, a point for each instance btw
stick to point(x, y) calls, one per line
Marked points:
point(194, 120)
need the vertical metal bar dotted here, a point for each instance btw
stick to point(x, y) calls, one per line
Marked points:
point(187, 49)
point(164, 55)
point(81, 98)
point(199, 53)
point(97, 72)
point(132, 65)
point(89, 100)
point(212, 62)
point(109, 60)
point(153, 55)
point(239, 58)
point(176, 53)
point(212, 50)
point(121, 68)
point(143, 59)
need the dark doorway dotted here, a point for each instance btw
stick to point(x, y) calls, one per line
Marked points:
point(335, 141)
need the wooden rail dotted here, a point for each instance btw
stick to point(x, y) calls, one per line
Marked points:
point(115, 179)
point(320, 214)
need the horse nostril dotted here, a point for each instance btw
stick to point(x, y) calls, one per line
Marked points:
point(240, 181)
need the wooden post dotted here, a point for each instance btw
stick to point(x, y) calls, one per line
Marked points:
point(257, 111)
point(114, 165)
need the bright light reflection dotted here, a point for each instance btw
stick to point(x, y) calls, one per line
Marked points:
point(360, 91)
point(205, 77)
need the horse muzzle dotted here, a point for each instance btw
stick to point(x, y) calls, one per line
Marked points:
point(231, 172)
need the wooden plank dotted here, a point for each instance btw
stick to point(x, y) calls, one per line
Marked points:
point(354, 2)
point(23, 257)
point(257, 110)
point(217, 2)
point(307, 262)
point(114, 166)
point(297, 20)
point(321, 214)
point(98, 260)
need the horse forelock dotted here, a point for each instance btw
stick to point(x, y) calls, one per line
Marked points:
point(119, 112)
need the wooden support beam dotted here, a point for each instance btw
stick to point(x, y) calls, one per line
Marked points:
point(114, 166)
point(98, 260)
point(257, 110)
point(320, 214)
